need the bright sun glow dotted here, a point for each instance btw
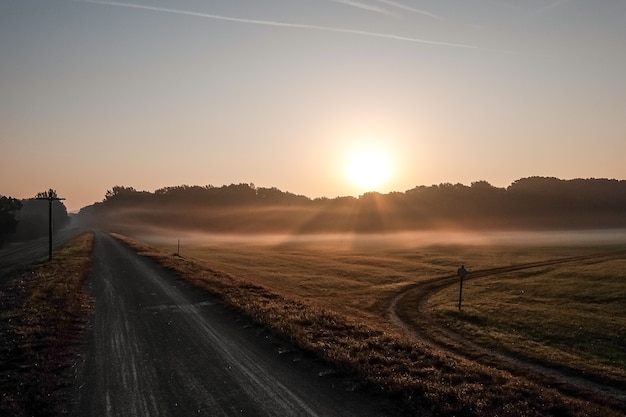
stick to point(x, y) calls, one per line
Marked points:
point(368, 169)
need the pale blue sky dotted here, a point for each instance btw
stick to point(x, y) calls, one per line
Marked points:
point(281, 93)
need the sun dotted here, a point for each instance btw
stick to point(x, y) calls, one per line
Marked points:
point(368, 169)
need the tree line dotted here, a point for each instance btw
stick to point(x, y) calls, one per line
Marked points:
point(27, 219)
point(528, 203)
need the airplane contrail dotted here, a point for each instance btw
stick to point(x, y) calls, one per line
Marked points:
point(365, 6)
point(281, 24)
point(411, 9)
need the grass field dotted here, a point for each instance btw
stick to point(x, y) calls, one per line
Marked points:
point(571, 315)
point(332, 296)
point(360, 278)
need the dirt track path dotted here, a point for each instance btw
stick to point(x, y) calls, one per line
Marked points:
point(161, 348)
point(423, 328)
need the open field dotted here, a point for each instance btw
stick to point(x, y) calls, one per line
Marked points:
point(572, 315)
point(332, 295)
point(359, 277)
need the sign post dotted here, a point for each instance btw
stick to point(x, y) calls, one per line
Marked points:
point(461, 272)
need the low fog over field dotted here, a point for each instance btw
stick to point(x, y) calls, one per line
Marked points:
point(415, 239)
point(528, 205)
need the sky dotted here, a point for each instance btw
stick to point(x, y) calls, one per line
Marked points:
point(287, 93)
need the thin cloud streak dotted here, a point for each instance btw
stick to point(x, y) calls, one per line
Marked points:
point(365, 6)
point(411, 9)
point(282, 24)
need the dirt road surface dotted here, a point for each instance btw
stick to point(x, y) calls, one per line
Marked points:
point(158, 347)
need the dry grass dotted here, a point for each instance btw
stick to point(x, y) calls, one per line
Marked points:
point(46, 310)
point(571, 316)
point(333, 302)
point(356, 279)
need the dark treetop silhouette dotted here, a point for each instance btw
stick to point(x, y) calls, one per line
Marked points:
point(530, 203)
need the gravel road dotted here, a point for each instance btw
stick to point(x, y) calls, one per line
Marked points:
point(158, 347)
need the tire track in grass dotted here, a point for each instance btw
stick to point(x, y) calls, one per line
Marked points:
point(421, 327)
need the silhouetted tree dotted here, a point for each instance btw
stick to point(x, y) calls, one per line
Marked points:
point(529, 203)
point(34, 216)
point(119, 192)
point(9, 209)
point(47, 194)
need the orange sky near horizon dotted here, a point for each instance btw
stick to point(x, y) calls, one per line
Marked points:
point(152, 94)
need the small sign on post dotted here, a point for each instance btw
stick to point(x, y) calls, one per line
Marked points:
point(461, 272)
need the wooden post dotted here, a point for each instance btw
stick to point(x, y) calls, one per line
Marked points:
point(49, 230)
point(461, 272)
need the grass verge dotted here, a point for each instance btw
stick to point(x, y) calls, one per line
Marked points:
point(422, 380)
point(44, 314)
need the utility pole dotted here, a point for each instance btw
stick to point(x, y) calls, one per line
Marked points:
point(51, 196)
